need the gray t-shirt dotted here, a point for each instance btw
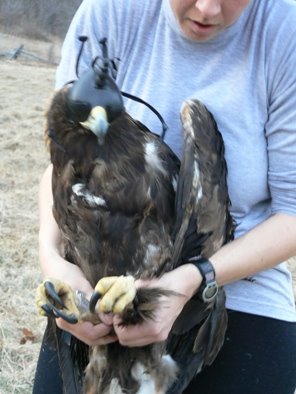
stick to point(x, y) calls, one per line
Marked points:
point(246, 76)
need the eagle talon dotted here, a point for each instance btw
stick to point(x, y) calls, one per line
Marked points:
point(69, 318)
point(48, 310)
point(52, 311)
point(55, 298)
point(116, 292)
point(50, 290)
point(93, 301)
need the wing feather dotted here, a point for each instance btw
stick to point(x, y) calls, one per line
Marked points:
point(203, 224)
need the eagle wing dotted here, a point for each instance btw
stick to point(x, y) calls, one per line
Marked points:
point(203, 224)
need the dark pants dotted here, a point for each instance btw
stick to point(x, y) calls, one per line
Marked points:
point(258, 357)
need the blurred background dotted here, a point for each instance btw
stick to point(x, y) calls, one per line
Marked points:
point(37, 19)
point(31, 34)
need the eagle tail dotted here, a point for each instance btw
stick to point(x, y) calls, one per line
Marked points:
point(145, 304)
point(210, 336)
point(73, 356)
point(200, 345)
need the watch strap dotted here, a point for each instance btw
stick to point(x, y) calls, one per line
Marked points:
point(208, 287)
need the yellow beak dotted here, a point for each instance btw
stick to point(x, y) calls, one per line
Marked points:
point(97, 122)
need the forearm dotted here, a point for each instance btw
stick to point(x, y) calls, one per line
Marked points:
point(55, 266)
point(261, 248)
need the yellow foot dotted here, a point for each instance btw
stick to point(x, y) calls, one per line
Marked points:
point(116, 293)
point(56, 298)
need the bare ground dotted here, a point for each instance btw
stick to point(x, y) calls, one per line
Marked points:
point(26, 88)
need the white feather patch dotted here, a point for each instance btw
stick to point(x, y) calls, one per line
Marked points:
point(152, 158)
point(114, 387)
point(93, 201)
point(187, 120)
point(175, 183)
point(157, 384)
point(152, 252)
point(147, 385)
point(196, 181)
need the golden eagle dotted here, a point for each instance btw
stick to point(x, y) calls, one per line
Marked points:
point(128, 208)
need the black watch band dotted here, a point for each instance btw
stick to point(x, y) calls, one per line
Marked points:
point(208, 289)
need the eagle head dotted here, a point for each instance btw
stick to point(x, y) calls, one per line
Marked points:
point(94, 100)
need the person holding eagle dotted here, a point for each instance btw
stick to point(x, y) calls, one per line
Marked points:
point(238, 58)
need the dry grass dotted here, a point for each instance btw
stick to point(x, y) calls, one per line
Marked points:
point(25, 91)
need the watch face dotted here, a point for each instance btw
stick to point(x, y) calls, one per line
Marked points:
point(210, 291)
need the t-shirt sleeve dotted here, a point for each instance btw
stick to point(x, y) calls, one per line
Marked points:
point(281, 124)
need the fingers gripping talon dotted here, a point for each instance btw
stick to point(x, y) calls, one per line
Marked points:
point(117, 292)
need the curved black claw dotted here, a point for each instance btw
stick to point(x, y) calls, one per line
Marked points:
point(49, 287)
point(52, 311)
point(48, 310)
point(72, 319)
point(93, 301)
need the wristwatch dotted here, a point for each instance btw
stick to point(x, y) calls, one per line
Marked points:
point(209, 288)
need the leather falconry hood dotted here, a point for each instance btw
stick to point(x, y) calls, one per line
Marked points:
point(95, 87)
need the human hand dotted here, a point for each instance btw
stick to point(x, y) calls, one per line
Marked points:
point(89, 333)
point(184, 281)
